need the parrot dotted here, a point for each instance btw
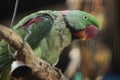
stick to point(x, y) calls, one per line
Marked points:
point(48, 32)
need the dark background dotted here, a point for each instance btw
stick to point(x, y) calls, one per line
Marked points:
point(26, 7)
point(7, 6)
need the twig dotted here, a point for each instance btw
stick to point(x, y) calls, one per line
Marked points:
point(40, 68)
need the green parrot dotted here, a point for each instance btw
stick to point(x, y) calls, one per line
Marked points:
point(49, 32)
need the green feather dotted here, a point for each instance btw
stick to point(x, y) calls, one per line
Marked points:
point(39, 30)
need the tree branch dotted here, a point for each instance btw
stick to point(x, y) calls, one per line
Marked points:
point(39, 67)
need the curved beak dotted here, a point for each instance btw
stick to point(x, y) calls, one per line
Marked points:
point(89, 33)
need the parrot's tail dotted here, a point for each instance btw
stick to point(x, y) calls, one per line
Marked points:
point(5, 74)
point(5, 60)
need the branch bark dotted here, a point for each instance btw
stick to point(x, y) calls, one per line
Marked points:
point(39, 67)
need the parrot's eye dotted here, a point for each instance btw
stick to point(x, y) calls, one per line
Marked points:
point(85, 17)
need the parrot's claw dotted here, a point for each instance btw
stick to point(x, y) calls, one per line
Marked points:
point(11, 53)
point(26, 37)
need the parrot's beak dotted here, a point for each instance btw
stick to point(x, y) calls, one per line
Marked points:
point(88, 33)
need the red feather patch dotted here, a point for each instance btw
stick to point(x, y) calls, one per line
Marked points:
point(32, 21)
point(64, 12)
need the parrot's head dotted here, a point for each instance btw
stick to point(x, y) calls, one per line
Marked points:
point(81, 24)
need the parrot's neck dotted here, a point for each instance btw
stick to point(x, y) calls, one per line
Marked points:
point(69, 26)
point(64, 13)
point(72, 30)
